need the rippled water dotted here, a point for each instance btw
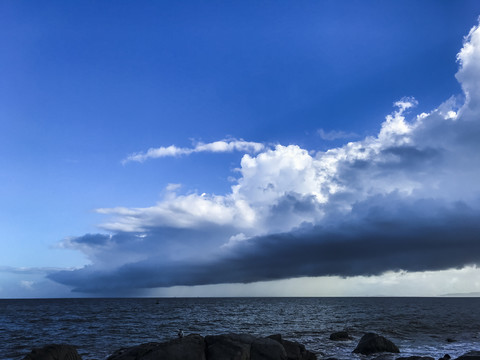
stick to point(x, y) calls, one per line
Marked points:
point(98, 327)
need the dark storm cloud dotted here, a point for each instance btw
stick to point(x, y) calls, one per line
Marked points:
point(91, 240)
point(373, 239)
point(411, 157)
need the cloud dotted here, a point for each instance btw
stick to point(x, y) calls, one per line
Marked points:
point(229, 145)
point(414, 236)
point(26, 284)
point(469, 73)
point(407, 199)
point(29, 270)
point(335, 134)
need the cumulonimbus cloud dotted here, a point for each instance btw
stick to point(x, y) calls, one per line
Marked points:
point(405, 199)
point(229, 145)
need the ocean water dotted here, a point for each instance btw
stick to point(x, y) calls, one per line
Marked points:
point(98, 327)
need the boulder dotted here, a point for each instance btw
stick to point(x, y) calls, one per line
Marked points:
point(294, 350)
point(297, 351)
point(372, 343)
point(228, 347)
point(134, 352)
point(191, 347)
point(267, 349)
point(54, 352)
point(340, 336)
point(218, 347)
point(240, 338)
point(384, 356)
point(415, 358)
point(445, 357)
point(471, 355)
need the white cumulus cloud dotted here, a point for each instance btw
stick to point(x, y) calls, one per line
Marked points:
point(407, 198)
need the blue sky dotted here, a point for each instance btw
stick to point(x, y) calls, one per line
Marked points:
point(87, 88)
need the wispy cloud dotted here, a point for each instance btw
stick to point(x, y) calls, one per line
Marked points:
point(335, 134)
point(405, 199)
point(29, 270)
point(221, 146)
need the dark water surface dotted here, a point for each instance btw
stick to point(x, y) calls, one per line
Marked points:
point(98, 327)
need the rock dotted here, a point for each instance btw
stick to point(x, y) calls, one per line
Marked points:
point(276, 337)
point(297, 351)
point(294, 350)
point(54, 352)
point(384, 357)
point(228, 347)
point(372, 343)
point(191, 347)
point(415, 358)
point(267, 349)
point(218, 347)
point(450, 340)
point(135, 352)
point(445, 357)
point(340, 336)
point(471, 355)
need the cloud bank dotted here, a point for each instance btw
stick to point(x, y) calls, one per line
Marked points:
point(406, 199)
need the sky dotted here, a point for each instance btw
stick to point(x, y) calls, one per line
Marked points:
point(273, 148)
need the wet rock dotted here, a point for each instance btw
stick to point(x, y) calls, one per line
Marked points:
point(218, 347)
point(471, 355)
point(54, 352)
point(191, 347)
point(294, 350)
point(372, 343)
point(267, 349)
point(134, 352)
point(297, 351)
point(228, 347)
point(340, 336)
point(384, 357)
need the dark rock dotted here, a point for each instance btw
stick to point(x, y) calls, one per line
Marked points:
point(54, 352)
point(384, 356)
point(228, 347)
point(471, 355)
point(191, 347)
point(450, 340)
point(297, 351)
point(415, 358)
point(445, 357)
point(267, 349)
point(294, 350)
point(372, 343)
point(241, 338)
point(276, 337)
point(217, 347)
point(134, 352)
point(340, 336)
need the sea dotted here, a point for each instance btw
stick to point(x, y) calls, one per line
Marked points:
point(418, 326)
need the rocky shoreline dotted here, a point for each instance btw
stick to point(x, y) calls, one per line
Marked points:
point(237, 347)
